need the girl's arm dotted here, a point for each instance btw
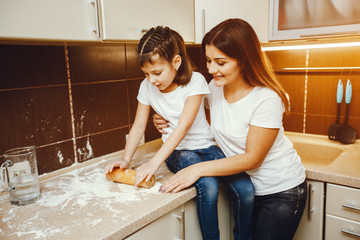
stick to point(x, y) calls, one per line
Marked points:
point(258, 144)
point(135, 135)
point(188, 115)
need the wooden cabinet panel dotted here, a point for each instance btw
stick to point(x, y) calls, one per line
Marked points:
point(337, 228)
point(343, 201)
point(128, 20)
point(48, 20)
point(165, 228)
point(209, 13)
point(311, 225)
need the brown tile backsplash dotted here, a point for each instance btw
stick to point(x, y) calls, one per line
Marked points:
point(90, 117)
point(99, 144)
point(133, 89)
point(68, 123)
point(55, 156)
point(99, 107)
point(28, 66)
point(35, 116)
point(97, 63)
point(132, 67)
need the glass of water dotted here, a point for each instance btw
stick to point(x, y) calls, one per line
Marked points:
point(20, 175)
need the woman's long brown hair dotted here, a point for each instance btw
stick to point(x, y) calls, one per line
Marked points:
point(237, 39)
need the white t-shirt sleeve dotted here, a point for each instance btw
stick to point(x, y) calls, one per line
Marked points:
point(269, 112)
point(207, 98)
point(197, 85)
point(143, 95)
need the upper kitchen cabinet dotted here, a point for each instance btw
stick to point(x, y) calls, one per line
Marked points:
point(128, 20)
point(208, 13)
point(49, 20)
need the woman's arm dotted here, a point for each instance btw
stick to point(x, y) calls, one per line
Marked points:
point(258, 143)
point(135, 135)
point(188, 115)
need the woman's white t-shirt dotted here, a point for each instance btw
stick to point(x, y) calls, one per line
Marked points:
point(282, 168)
point(170, 106)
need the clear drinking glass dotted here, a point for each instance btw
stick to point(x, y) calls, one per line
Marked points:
point(20, 175)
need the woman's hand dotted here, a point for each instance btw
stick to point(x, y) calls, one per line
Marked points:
point(160, 123)
point(145, 171)
point(120, 163)
point(182, 179)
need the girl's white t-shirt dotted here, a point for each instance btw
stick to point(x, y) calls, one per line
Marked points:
point(282, 168)
point(170, 106)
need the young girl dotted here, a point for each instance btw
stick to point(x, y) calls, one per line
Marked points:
point(175, 92)
point(246, 108)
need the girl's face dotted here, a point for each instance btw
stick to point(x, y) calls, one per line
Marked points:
point(224, 69)
point(162, 73)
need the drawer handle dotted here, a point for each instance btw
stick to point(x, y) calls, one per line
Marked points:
point(350, 232)
point(310, 209)
point(351, 206)
point(182, 220)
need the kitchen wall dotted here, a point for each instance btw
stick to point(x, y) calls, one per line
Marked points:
point(313, 93)
point(73, 103)
point(78, 102)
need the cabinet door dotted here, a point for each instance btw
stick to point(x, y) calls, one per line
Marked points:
point(208, 13)
point(127, 20)
point(311, 225)
point(165, 228)
point(48, 20)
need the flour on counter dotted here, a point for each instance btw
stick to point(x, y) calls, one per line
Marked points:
point(77, 199)
point(79, 187)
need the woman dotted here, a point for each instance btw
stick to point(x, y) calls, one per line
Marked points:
point(173, 90)
point(246, 107)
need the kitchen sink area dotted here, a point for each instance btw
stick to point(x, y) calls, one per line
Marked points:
point(317, 153)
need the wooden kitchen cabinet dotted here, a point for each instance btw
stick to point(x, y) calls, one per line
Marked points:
point(311, 224)
point(166, 227)
point(208, 13)
point(184, 220)
point(342, 219)
point(128, 20)
point(48, 20)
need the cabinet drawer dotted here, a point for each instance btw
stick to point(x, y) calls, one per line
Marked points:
point(165, 228)
point(337, 228)
point(343, 201)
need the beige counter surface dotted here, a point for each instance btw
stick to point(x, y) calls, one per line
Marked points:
point(79, 203)
point(328, 161)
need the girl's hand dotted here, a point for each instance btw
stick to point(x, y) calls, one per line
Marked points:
point(145, 171)
point(160, 123)
point(182, 179)
point(120, 163)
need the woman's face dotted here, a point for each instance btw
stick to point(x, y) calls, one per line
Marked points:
point(224, 69)
point(161, 73)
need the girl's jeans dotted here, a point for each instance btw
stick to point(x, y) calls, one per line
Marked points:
point(240, 187)
point(277, 216)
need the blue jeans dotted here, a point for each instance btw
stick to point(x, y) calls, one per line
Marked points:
point(277, 216)
point(240, 187)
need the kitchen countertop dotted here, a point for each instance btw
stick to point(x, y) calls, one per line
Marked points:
point(79, 203)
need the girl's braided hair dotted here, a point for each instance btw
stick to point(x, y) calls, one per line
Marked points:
point(167, 43)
